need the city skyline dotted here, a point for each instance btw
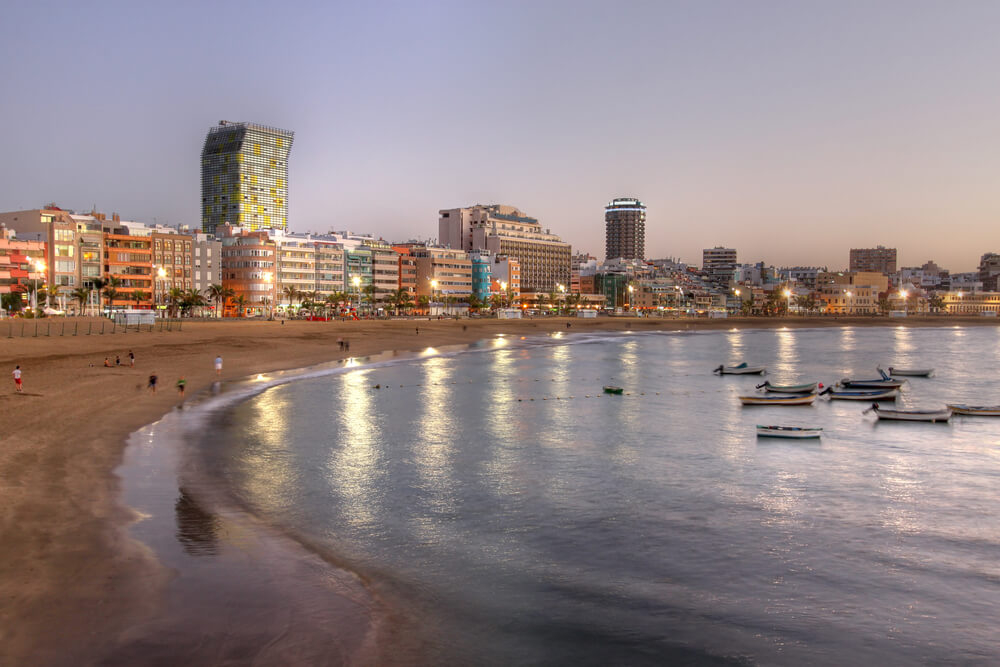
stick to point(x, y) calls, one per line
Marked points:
point(789, 133)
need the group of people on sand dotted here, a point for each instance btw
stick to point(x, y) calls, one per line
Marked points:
point(118, 360)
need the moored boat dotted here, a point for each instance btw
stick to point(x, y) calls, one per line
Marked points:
point(789, 388)
point(941, 416)
point(854, 394)
point(742, 369)
point(611, 389)
point(778, 399)
point(883, 382)
point(976, 410)
point(911, 372)
point(796, 432)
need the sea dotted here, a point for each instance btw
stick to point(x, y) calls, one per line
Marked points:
point(491, 505)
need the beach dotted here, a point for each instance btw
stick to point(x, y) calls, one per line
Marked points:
point(72, 581)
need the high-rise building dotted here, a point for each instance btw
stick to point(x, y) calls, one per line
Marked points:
point(719, 263)
point(625, 229)
point(989, 271)
point(544, 258)
point(880, 259)
point(244, 177)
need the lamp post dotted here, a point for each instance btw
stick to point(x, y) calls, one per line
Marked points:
point(562, 293)
point(630, 290)
point(161, 273)
point(434, 286)
point(904, 294)
point(39, 268)
point(959, 309)
point(503, 297)
point(269, 279)
point(357, 287)
point(847, 302)
point(788, 301)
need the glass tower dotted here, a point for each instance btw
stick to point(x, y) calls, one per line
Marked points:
point(244, 176)
point(625, 229)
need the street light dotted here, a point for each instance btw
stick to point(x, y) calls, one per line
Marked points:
point(562, 291)
point(357, 286)
point(630, 290)
point(161, 273)
point(434, 286)
point(788, 301)
point(503, 299)
point(269, 278)
point(39, 268)
point(847, 308)
point(903, 293)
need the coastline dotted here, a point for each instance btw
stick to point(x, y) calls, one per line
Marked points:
point(68, 560)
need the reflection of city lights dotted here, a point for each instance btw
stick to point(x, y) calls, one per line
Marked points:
point(260, 376)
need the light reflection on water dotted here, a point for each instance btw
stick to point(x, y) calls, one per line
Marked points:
point(526, 526)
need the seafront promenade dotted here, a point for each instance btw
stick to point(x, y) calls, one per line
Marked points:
point(68, 562)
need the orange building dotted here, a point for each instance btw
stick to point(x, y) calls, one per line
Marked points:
point(248, 263)
point(129, 259)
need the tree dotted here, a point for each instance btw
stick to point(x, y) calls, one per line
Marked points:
point(241, 304)
point(111, 290)
point(219, 294)
point(936, 303)
point(174, 298)
point(424, 301)
point(190, 300)
point(291, 294)
point(51, 293)
point(12, 302)
point(82, 296)
point(369, 295)
point(139, 296)
point(883, 304)
point(806, 302)
point(99, 284)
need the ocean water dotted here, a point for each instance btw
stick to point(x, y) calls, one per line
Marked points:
point(509, 512)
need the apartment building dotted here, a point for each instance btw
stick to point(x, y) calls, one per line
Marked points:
point(544, 258)
point(19, 266)
point(879, 260)
point(128, 259)
point(248, 266)
point(719, 263)
point(443, 272)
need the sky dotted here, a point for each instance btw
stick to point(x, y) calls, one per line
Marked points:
point(791, 131)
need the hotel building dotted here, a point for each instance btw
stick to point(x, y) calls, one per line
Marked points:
point(879, 259)
point(719, 263)
point(443, 272)
point(244, 177)
point(248, 266)
point(625, 229)
point(504, 230)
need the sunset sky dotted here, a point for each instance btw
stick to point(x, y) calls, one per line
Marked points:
point(791, 131)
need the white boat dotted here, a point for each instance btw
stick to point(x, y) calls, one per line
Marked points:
point(882, 382)
point(796, 432)
point(861, 394)
point(742, 369)
point(910, 415)
point(977, 410)
point(778, 399)
point(789, 388)
point(911, 372)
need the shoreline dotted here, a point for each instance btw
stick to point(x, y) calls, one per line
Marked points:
point(69, 561)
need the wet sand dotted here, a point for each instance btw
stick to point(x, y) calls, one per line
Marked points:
point(73, 584)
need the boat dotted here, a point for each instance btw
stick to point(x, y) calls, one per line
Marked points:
point(611, 389)
point(910, 415)
point(742, 369)
point(911, 372)
point(789, 388)
point(796, 432)
point(975, 410)
point(778, 399)
point(854, 394)
point(884, 382)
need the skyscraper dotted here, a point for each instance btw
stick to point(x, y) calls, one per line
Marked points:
point(625, 229)
point(244, 176)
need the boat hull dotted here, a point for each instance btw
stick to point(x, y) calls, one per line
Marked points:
point(789, 432)
point(737, 370)
point(887, 395)
point(911, 372)
point(934, 416)
point(976, 410)
point(613, 390)
point(778, 400)
point(789, 388)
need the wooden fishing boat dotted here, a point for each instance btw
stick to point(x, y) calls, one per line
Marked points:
point(854, 394)
point(940, 416)
point(975, 410)
point(611, 389)
point(911, 372)
point(789, 388)
point(883, 382)
point(796, 432)
point(742, 369)
point(778, 399)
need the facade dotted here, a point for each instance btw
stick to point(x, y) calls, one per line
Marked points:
point(407, 269)
point(173, 265)
point(971, 303)
point(719, 263)
point(248, 266)
point(129, 260)
point(625, 229)
point(385, 270)
point(481, 275)
point(244, 177)
point(544, 258)
point(19, 264)
point(443, 272)
point(207, 261)
point(844, 299)
point(853, 279)
point(879, 259)
point(307, 264)
point(989, 271)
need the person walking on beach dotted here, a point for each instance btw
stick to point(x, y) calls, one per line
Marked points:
point(340, 342)
point(152, 383)
point(180, 387)
point(131, 359)
point(218, 365)
point(17, 380)
point(118, 361)
point(347, 345)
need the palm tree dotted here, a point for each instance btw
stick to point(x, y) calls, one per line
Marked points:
point(82, 296)
point(190, 300)
point(369, 295)
point(111, 290)
point(218, 294)
point(174, 297)
point(139, 296)
point(936, 303)
point(399, 298)
point(241, 305)
point(423, 301)
point(51, 293)
point(99, 284)
point(291, 294)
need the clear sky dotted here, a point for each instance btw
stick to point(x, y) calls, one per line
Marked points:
point(791, 131)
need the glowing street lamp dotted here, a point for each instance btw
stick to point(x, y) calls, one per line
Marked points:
point(788, 300)
point(503, 299)
point(269, 279)
point(39, 268)
point(630, 290)
point(904, 294)
point(357, 286)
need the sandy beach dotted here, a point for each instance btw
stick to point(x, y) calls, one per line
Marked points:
point(72, 581)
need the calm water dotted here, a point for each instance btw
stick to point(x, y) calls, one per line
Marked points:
point(511, 518)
